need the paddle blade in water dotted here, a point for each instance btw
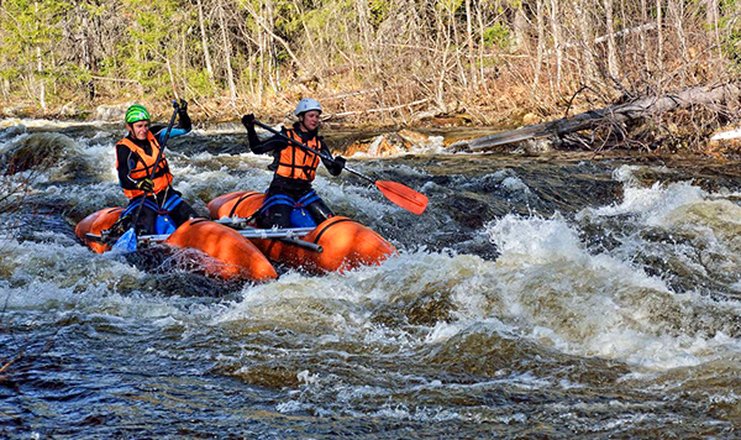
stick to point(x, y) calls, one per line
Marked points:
point(403, 196)
point(126, 243)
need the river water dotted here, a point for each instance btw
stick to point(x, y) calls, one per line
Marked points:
point(549, 296)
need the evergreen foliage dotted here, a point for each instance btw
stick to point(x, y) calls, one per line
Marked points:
point(358, 54)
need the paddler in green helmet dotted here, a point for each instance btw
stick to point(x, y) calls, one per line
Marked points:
point(136, 154)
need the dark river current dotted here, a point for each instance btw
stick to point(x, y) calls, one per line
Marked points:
point(553, 296)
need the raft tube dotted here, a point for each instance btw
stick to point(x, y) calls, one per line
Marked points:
point(236, 257)
point(346, 243)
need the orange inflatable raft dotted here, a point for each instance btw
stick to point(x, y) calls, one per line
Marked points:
point(236, 257)
point(345, 243)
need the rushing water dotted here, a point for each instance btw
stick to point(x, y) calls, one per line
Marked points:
point(555, 296)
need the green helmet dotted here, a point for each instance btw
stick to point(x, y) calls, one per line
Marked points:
point(137, 113)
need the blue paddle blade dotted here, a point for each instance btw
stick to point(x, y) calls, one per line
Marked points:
point(126, 243)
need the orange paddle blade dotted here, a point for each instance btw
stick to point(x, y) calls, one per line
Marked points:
point(403, 196)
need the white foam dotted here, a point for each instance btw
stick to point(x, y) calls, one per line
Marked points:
point(653, 204)
point(515, 184)
point(441, 332)
point(594, 305)
point(534, 240)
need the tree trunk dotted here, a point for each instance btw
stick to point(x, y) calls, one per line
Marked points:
point(443, 46)
point(644, 45)
point(520, 26)
point(457, 45)
point(87, 57)
point(480, 21)
point(660, 42)
point(204, 42)
point(41, 83)
point(540, 51)
point(6, 89)
point(263, 23)
point(616, 114)
point(171, 74)
point(469, 42)
point(712, 16)
point(585, 29)
point(676, 10)
point(40, 70)
point(227, 58)
point(556, 31)
point(612, 60)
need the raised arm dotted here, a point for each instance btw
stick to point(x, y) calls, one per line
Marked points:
point(185, 125)
point(275, 143)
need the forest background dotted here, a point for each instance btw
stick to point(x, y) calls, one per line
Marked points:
point(370, 62)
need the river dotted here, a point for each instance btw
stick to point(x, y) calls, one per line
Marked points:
point(555, 296)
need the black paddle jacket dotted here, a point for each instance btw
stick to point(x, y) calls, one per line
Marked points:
point(275, 145)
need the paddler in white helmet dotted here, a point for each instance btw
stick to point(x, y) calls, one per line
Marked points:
point(294, 167)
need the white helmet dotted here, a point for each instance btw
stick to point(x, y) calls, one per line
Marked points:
point(307, 104)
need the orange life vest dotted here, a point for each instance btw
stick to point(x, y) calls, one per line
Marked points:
point(296, 163)
point(162, 177)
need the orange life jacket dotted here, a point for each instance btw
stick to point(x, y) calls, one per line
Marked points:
point(162, 177)
point(296, 163)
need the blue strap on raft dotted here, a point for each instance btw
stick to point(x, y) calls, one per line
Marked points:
point(300, 217)
point(276, 200)
point(163, 224)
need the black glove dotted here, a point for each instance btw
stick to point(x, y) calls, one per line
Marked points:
point(336, 166)
point(183, 118)
point(145, 185)
point(248, 121)
point(183, 109)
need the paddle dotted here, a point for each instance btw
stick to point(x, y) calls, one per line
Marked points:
point(400, 195)
point(290, 236)
point(127, 242)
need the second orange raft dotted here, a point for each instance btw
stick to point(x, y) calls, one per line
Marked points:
point(345, 243)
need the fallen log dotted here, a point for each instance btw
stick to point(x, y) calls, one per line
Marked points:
point(615, 114)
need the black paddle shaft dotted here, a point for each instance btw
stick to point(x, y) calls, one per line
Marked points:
point(161, 154)
point(321, 154)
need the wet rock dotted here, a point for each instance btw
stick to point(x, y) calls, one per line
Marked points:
point(454, 120)
point(413, 137)
point(12, 130)
point(36, 151)
point(534, 147)
point(459, 145)
point(69, 110)
point(15, 111)
point(392, 144)
point(470, 210)
point(111, 112)
point(430, 309)
point(272, 375)
point(725, 142)
point(42, 152)
point(355, 148)
point(530, 119)
point(380, 146)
